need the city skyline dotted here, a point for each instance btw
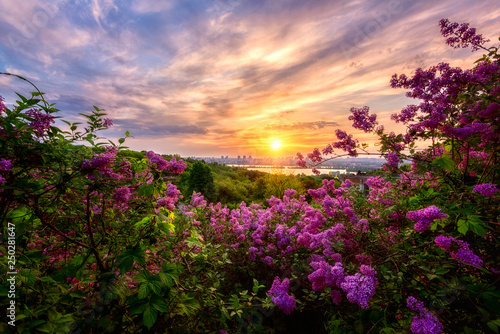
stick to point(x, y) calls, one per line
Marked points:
point(212, 78)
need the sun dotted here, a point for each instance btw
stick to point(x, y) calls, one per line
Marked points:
point(275, 144)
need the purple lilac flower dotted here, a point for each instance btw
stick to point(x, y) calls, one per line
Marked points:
point(345, 143)
point(107, 123)
point(464, 254)
point(413, 304)
point(460, 35)
point(5, 165)
point(197, 200)
point(41, 121)
point(268, 260)
point(326, 275)
point(102, 160)
point(486, 189)
point(360, 288)
point(424, 322)
point(160, 163)
point(361, 119)
point(393, 159)
point(176, 166)
point(424, 217)
point(444, 242)
point(336, 296)
point(280, 297)
point(122, 195)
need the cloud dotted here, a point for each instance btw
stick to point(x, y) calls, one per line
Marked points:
point(211, 74)
point(302, 126)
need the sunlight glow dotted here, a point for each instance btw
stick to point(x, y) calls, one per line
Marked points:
point(276, 144)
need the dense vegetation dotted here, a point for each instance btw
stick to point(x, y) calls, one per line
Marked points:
point(97, 239)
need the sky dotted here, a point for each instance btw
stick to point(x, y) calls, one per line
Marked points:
point(229, 77)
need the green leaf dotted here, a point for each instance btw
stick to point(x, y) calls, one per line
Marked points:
point(121, 140)
point(463, 226)
point(159, 303)
point(143, 291)
point(493, 325)
point(149, 317)
point(442, 271)
point(445, 162)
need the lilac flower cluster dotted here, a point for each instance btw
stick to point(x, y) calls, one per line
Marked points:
point(300, 160)
point(122, 194)
point(485, 189)
point(463, 252)
point(106, 123)
point(2, 104)
point(5, 166)
point(280, 297)
point(325, 275)
point(198, 201)
point(101, 161)
point(346, 143)
point(424, 322)
point(360, 287)
point(174, 166)
point(315, 155)
point(362, 120)
point(393, 159)
point(460, 35)
point(173, 195)
point(40, 121)
point(425, 217)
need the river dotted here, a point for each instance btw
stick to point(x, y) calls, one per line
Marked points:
point(290, 170)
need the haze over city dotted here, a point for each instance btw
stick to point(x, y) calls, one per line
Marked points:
point(229, 77)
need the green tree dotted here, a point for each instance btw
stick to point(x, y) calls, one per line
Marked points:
point(200, 179)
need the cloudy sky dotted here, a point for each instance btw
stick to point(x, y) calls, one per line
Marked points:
point(229, 77)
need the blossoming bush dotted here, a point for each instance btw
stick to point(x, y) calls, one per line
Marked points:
point(104, 244)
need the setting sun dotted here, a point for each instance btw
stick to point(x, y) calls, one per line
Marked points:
point(276, 144)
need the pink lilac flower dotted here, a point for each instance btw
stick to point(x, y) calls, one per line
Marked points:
point(315, 155)
point(486, 189)
point(425, 217)
point(197, 200)
point(41, 121)
point(280, 297)
point(424, 322)
point(300, 160)
point(2, 104)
